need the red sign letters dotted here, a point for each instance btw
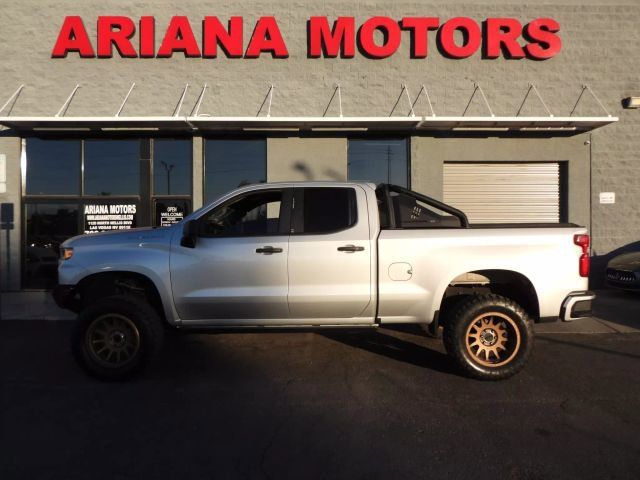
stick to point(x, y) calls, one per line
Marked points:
point(377, 37)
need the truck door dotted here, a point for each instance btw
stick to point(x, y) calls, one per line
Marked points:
point(330, 255)
point(237, 270)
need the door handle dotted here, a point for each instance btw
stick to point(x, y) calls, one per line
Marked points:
point(350, 248)
point(268, 250)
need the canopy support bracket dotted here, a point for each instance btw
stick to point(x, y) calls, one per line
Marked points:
point(268, 97)
point(524, 100)
point(336, 90)
point(196, 107)
point(426, 94)
point(126, 97)
point(586, 87)
point(404, 90)
point(477, 87)
point(65, 105)
point(13, 98)
point(176, 112)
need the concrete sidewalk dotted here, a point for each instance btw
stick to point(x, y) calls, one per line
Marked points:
point(615, 312)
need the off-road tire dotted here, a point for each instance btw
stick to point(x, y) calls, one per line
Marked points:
point(140, 325)
point(506, 321)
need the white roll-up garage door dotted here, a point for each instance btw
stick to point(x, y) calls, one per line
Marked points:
point(502, 192)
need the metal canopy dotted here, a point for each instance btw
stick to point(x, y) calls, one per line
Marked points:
point(195, 122)
point(403, 124)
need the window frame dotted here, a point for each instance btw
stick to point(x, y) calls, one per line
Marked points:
point(152, 172)
point(297, 217)
point(407, 140)
point(284, 218)
point(80, 179)
point(207, 139)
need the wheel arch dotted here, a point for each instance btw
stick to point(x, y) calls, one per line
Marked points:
point(507, 283)
point(104, 284)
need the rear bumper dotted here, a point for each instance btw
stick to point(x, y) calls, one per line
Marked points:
point(65, 297)
point(577, 305)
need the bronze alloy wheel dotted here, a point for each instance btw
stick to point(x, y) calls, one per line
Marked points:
point(492, 339)
point(112, 340)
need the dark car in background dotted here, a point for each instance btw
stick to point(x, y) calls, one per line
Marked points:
point(623, 271)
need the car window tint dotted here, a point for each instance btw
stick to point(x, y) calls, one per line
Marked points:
point(328, 209)
point(254, 214)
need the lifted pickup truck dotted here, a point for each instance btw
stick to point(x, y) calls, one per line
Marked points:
point(324, 254)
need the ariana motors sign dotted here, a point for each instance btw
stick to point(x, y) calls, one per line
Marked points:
point(377, 37)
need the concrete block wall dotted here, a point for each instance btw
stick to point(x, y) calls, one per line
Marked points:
point(601, 45)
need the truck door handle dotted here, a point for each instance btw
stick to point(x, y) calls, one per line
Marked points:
point(268, 250)
point(350, 248)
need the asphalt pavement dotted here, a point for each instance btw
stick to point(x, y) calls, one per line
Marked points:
point(376, 404)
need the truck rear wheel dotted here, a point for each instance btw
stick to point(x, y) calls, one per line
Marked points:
point(489, 337)
point(116, 337)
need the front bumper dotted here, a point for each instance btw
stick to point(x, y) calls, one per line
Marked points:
point(577, 305)
point(65, 297)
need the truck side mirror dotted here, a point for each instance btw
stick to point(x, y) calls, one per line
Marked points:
point(189, 234)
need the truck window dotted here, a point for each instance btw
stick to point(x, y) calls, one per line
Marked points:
point(327, 209)
point(254, 214)
point(410, 212)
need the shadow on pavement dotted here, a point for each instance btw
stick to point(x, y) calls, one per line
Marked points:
point(618, 306)
point(390, 346)
point(586, 347)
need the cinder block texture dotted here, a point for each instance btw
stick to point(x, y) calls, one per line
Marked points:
point(306, 159)
point(601, 47)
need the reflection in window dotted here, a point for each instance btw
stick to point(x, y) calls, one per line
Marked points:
point(53, 167)
point(255, 214)
point(111, 167)
point(232, 163)
point(379, 161)
point(172, 161)
point(48, 225)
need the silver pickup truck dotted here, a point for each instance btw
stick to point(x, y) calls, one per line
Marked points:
point(326, 254)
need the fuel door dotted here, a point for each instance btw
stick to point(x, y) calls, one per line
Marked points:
point(400, 271)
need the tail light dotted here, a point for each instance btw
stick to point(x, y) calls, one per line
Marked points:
point(584, 263)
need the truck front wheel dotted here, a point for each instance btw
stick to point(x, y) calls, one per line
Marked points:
point(489, 337)
point(116, 336)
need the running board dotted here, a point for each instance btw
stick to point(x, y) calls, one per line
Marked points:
point(269, 328)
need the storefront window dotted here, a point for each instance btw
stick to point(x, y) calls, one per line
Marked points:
point(127, 183)
point(48, 225)
point(379, 161)
point(111, 167)
point(233, 163)
point(172, 161)
point(53, 167)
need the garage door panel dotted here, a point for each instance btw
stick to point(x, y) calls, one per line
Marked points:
point(504, 192)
